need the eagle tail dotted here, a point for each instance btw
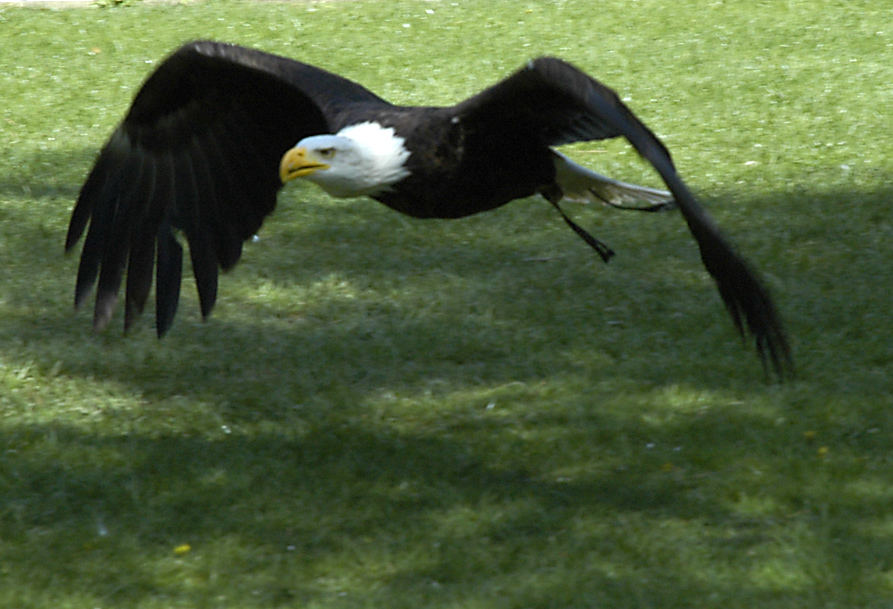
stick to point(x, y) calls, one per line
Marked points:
point(577, 183)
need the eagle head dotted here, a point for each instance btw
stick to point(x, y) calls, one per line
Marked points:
point(360, 160)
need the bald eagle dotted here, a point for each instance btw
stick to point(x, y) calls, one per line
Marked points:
point(217, 129)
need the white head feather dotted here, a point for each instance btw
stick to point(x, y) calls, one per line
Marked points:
point(360, 160)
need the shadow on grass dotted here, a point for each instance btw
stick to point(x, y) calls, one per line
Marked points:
point(275, 517)
point(308, 488)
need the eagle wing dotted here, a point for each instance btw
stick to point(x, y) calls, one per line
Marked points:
point(198, 152)
point(556, 103)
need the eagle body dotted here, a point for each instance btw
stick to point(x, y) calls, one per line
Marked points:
point(217, 129)
point(456, 170)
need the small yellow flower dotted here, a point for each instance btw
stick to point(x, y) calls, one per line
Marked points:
point(809, 435)
point(823, 451)
point(183, 548)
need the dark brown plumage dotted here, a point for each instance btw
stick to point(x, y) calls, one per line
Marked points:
point(200, 149)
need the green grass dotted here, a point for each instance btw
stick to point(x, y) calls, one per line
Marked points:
point(385, 412)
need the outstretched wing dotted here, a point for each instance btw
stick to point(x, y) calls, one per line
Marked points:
point(555, 102)
point(198, 152)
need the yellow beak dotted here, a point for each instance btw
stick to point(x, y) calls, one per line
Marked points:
point(296, 163)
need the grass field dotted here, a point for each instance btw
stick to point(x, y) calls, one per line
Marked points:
point(391, 413)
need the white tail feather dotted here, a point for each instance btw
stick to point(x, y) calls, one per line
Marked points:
point(578, 183)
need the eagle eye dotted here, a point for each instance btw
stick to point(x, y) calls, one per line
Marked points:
point(326, 153)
